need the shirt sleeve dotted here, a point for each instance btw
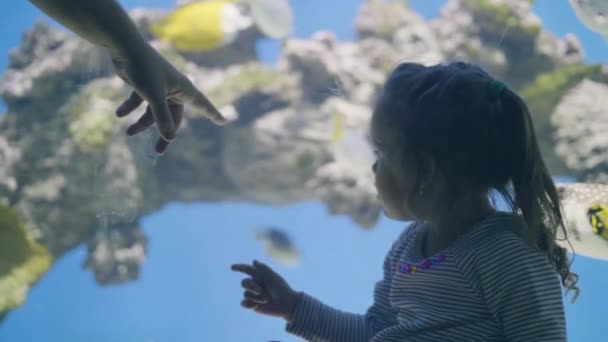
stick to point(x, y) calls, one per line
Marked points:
point(522, 290)
point(316, 321)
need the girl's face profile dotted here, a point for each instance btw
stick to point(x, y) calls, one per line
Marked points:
point(387, 186)
point(393, 181)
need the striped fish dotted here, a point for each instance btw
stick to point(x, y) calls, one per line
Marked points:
point(598, 218)
point(577, 199)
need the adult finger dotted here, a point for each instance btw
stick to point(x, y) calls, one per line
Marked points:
point(164, 119)
point(129, 105)
point(177, 111)
point(251, 285)
point(200, 100)
point(143, 123)
point(161, 146)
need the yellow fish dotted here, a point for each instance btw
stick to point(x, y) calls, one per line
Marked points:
point(598, 217)
point(203, 26)
point(338, 131)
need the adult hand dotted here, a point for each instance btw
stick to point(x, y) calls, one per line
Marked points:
point(165, 90)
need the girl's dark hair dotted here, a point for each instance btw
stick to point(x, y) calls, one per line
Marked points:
point(481, 136)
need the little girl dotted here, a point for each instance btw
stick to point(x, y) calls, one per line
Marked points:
point(445, 137)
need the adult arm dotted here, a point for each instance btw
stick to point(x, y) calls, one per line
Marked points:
point(164, 88)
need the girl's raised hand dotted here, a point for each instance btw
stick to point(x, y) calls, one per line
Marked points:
point(266, 292)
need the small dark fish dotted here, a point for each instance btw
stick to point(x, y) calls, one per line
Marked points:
point(278, 245)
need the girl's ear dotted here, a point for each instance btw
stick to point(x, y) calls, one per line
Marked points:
point(429, 170)
point(432, 178)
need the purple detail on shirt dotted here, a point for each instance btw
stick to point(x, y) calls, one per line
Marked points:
point(425, 265)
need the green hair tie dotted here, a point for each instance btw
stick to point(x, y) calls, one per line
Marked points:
point(496, 88)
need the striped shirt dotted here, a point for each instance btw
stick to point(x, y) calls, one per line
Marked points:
point(491, 286)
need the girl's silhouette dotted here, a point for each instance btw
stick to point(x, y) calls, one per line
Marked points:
point(446, 136)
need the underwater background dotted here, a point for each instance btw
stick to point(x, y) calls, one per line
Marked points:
point(174, 225)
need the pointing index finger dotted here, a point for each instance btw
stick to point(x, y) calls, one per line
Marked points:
point(201, 101)
point(244, 268)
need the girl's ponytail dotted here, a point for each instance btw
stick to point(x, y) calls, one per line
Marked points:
point(536, 197)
